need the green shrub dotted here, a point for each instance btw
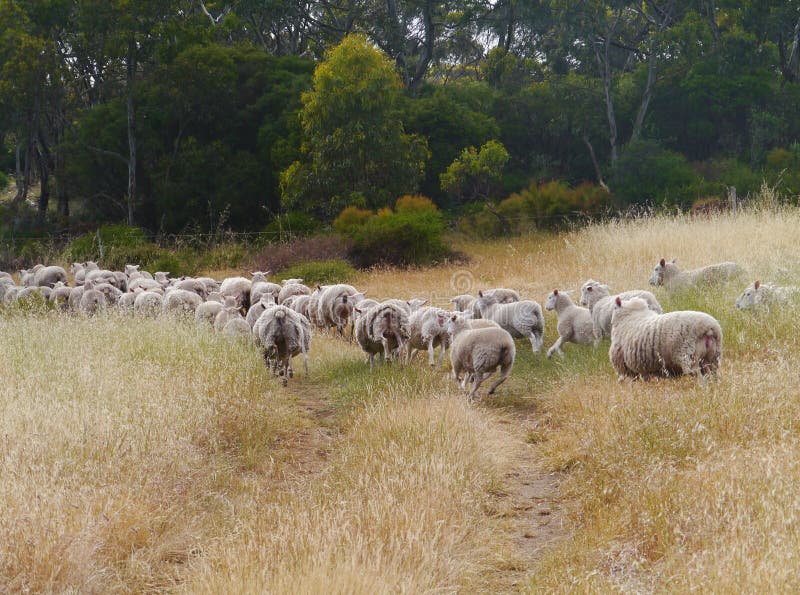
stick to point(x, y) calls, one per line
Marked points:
point(320, 272)
point(121, 245)
point(3, 181)
point(648, 174)
point(409, 236)
point(350, 219)
point(171, 262)
point(292, 224)
point(222, 256)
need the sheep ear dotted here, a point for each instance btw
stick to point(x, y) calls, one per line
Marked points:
point(606, 287)
point(454, 317)
point(555, 292)
point(480, 293)
point(674, 260)
point(618, 301)
point(757, 284)
point(662, 262)
point(589, 288)
point(440, 318)
point(319, 287)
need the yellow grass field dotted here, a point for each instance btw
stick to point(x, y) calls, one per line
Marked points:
point(145, 456)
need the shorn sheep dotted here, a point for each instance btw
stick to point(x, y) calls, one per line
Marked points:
point(645, 344)
point(574, 322)
point(597, 297)
point(520, 319)
point(427, 330)
point(765, 294)
point(668, 274)
point(479, 353)
point(382, 329)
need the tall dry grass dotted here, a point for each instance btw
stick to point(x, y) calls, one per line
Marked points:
point(142, 455)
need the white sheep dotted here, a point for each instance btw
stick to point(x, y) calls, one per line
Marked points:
point(92, 301)
point(49, 276)
point(292, 289)
point(194, 285)
point(382, 329)
point(520, 319)
point(267, 301)
point(668, 274)
point(463, 303)
point(282, 334)
point(644, 343)
point(574, 322)
point(597, 297)
point(478, 353)
point(237, 328)
point(231, 310)
point(427, 330)
point(335, 306)
point(208, 310)
point(765, 294)
point(181, 301)
point(238, 287)
point(148, 303)
point(262, 287)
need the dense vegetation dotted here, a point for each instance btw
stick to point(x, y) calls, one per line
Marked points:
point(187, 116)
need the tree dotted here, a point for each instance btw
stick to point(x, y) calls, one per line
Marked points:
point(355, 149)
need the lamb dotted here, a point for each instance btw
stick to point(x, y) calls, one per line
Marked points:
point(230, 311)
point(597, 297)
point(210, 284)
point(11, 294)
point(181, 301)
point(27, 277)
point(383, 328)
point(148, 303)
point(162, 278)
point(463, 303)
point(49, 276)
point(92, 301)
point(313, 305)
point(6, 284)
point(574, 322)
point(79, 270)
point(478, 353)
point(126, 300)
point(668, 274)
point(144, 283)
point(644, 343)
point(760, 294)
point(260, 286)
point(283, 334)
point(292, 289)
point(238, 287)
point(427, 330)
point(237, 328)
point(520, 319)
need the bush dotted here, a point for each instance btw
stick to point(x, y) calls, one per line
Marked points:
point(350, 219)
point(320, 272)
point(121, 245)
point(171, 262)
point(293, 224)
point(280, 256)
point(3, 181)
point(410, 235)
point(648, 174)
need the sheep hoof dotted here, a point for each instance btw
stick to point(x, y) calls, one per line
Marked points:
point(291, 373)
point(285, 381)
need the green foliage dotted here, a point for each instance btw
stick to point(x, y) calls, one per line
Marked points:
point(3, 181)
point(320, 272)
point(649, 174)
point(355, 149)
point(413, 234)
point(292, 224)
point(113, 238)
point(475, 173)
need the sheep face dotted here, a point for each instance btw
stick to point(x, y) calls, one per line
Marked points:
point(550, 304)
point(657, 277)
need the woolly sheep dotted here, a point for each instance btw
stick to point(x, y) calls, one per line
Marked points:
point(335, 306)
point(291, 281)
point(7, 276)
point(194, 285)
point(266, 301)
point(597, 297)
point(11, 293)
point(206, 313)
point(644, 343)
point(148, 303)
point(290, 290)
point(409, 306)
point(382, 329)
point(126, 300)
point(479, 353)
point(237, 328)
point(231, 310)
point(49, 276)
point(463, 303)
point(313, 305)
point(764, 294)
point(668, 274)
point(574, 323)
point(211, 284)
point(427, 330)
point(27, 277)
point(238, 287)
point(300, 304)
point(181, 301)
point(520, 319)
point(92, 301)
point(282, 334)
point(162, 278)
point(503, 295)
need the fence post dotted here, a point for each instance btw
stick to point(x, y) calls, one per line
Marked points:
point(732, 198)
point(100, 246)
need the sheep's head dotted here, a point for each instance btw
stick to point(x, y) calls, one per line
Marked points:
point(551, 300)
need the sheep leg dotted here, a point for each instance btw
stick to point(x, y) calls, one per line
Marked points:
point(476, 385)
point(386, 352)
point(556, 348)
point(443, 348)
point(305, 362)
point(536, 342)
point(430, 352)
point(505, 370)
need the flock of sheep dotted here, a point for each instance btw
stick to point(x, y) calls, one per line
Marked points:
point(479, 332)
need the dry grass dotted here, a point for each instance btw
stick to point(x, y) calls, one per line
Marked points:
point(138, 456)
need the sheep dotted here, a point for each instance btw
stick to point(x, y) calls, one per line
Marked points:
point(313, 305)
point(144, 283)
point(238, 287)
point(126, 300)
point(760, 294)
point(6, 284)
point(27, 277)
point(668, 274)
point(181, 301)
point(230, 311)
point(7, 276)
point(49, 276)
point(206, 313)
point(92, 301)
point(520, 319)
point(11, 294)
point(335, 306)
point(292, 289)
point(409, 306)
point(463, 303)
point(194, 285)
point(597, 297)
point(260, 286)
point(282, 334)
point(478, 353)
point(382, 328)
point(211, 284)
point(574, 322)
point(162, 278)
point(111, 293)
point(300, 304)
point(148, 303)
point(267, 301)
point(644, 343)
point(237, 328)
point(427, 330)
